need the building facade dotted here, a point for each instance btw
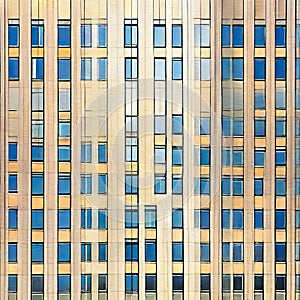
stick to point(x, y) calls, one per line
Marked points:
point(150, 149)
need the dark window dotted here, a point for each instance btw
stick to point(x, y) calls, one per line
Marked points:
point(150, 283)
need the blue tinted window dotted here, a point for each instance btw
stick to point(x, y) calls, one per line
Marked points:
point(12, 283)
point(86, 35)
point(238, 68)
point(226, 72)
point(86, 218)
point(177, 251)
point(258, 219)
point(280, 184)
point(259, 158)
point(204, 186)
point(177, 218)
point(259, 36)
point(102, 184)
point(205, 126)
point(37, 252)
point(131, 184)
point(131, 219)
point(131, 283)
point(64, 284)
point(177, 124)
point(12, 219)
point(64, 252)
point(131, 68)
point(280, 36)
point(225, 185)
point(102, 68)
point(258, 252)
point(64, 153)
point(226, 219)
point(177, 282)
point(37, 153)
point(204, 219)
point(37, 219)
point(64, 36)
point(86, 254)
point(280, 252)
point(280, 68)
point(238, 36)
point(226, 126)
point(12, 183)
point(258, 187)
point(86, 283)
point(280, 219)
point(150, 283)
point(64, 69)
point(259, 68)
point(238, 127)
point(64, 219)
point(131, 35)
point(204, 252)
point(159, 36)
point(237, 251)
point(12, 252)
point(160, 184)
point(86, 69)
point(259, 128)
point(297, 35)
point(177, 185)
point(13, 35)
point(64, 184)
point(37, 68)
point(237, 157)
point(205, 283)
point(280, 128)
point(37, 184)
point(12, 151)
point(86, 184)
point(102, 219)
point(177, 155)
point(226, 157)
point(37, 284)
point(102, 153)
point(259, 99)
point(176, 35)
point(297, 68)
point(102, 35)
point(225, 35)
point(226, 251)
point(131, 251)
point(177, 69)
point(64, 129)
point(204, 156)
point(238, 219)
point(102, 252)
point(280, 157)
point(150, 251)
point(13, 68)
point(37, 36)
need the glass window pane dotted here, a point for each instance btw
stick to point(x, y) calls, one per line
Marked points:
point(259, 36)
point(160, 69)
point(64, 69)
point(102, 35)
point(159, 36)
point(177, 69)
point(64, 36)
point(238, 36)
point(176, 35)
point(13, 35)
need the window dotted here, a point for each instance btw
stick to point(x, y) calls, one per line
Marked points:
point(202, 69)
point(12, 151)
point(102, 283)
point(64, 252)
point(64, 184)
point(102, 256)
point(131, 283)
point(102, 153)
point(237, 252)
point(202, 186)
point(177, 69)
point(258, 252)
point(37, 184)
point(12, 183)
point(131, 184)
point(102, 68)
point(159, 125)
point(37, 68)
point(297, 218)
point(86, 153)
point(258, 219)
point(259, 35)
point(237, 157)
point(64, 219)
point(259, 99)
point(37, 152)
point(280, 186)
point(226, 126)
point(131, 35)
point(225, 186)
point(37, 35)
point(86, 252)
point(37, 252)
point(258, 283)
point(12, 252)
point(280, 37)
point(297, 35)
point(64, 99)
point(64, 129)
point(177, 251)
point(176, 35)
point(159, 68)
point(225, 35)
point(12, 218)
point(177, 282)
point(238, 35)
point(280, 219)
point(204, 252)
point(297, 246)
point(204, 156)
point(159, 35)
point(64, 36)
point(86, 218)
point(86, 283)
point(237, 283)
point(13, 35)
point(64, 153)
point(280, 282)
point(204, 282)
point(37, 219)
point(176, 184)
point(131, 218)
point(131, 149)
point(64, 284)
point(280, 97)
point(202, 35)
point(177, 155)
point(259, 158)
point(86, 69)
point(238, 219)
point(226, 283)
point(177, 124)
point(86, 184)
point(37, 284)
point(280, 252)
point(177, 218)
point(259, 68)
point(226, 252)
point(37, 129)
point(150, 283)
point(280, 68)
point(12, 283)
point(131, 68)
point(131, 250)
point(102, 219)
point(280, 127)
point(238, 68)
point(102, 35)
point(86, 35)
point(280, 157)
point(150, 217)
point(202, 218)
point(64, 69)
point(258, 186)
point(159, 154)
point(13, 68)
point(150, 251)
point(160, 184)
point(259, 127)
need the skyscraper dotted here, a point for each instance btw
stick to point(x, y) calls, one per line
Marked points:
point(150, 149)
